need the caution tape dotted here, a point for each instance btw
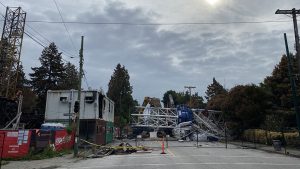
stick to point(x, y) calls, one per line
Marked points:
point(115, 147)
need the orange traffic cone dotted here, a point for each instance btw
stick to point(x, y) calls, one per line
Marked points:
point(163, 146)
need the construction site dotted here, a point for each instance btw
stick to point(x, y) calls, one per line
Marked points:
point(59, 123)
point(178, 122)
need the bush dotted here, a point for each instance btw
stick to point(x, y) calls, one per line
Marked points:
point(266, 137)
point(69, 129)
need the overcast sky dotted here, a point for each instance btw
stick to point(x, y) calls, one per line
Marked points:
point(163, 57)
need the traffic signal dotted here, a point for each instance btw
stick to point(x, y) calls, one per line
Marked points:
point(76, 107)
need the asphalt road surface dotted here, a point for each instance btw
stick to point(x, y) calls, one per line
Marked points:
point(185, 156)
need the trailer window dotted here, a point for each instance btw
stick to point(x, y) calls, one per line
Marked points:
point(89, 99)
point(63, 99)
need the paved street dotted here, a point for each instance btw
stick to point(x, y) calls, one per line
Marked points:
point(192, 157)
point(177, 157)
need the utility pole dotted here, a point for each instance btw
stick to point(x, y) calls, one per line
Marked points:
point(294, 13)
point(190, 90)
point(293, 85)
point(77, 120)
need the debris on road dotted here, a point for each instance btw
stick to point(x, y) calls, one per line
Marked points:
point(123, 148)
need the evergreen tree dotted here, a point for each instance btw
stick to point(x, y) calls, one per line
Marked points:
point(71, 77)
point(120, 91)
point(183, 98)
point(246, 106)
point(214, 89)
point(279, 83)
point(166, 100)
point(216, 102)
point(49, 76)
point(197, 101)
point(22, 82)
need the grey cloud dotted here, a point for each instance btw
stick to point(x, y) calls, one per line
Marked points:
point(168, 57)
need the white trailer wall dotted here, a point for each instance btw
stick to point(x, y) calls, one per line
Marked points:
point(60, 102)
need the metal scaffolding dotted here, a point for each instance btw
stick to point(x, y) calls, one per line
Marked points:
point(154, 117)
point(11, 45)
point(205, 121)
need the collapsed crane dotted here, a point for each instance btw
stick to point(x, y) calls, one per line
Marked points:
point(182, 121)
point(10, 53)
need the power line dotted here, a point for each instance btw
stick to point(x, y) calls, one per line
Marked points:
point(2, 4)
point(41, 43)
point(62, 19)
point(148, 24)
point(65, 52)
point(35, 40)
point(157, 24)
point(38, 41)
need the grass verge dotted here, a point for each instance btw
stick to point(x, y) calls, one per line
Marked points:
point(45, 154)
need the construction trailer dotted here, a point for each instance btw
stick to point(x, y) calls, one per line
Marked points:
point(96, 113)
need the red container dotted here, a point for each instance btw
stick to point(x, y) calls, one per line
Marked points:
point(16, 143)
point(2, 139)
point(63, 140)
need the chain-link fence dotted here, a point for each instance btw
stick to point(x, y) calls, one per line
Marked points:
point(285, 142)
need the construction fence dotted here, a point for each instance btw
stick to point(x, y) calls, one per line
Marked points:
point(193, 140)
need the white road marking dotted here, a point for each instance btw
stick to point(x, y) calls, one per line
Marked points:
point(170, 152)
point(143, 156)
point(238, 156)
point(172, 164)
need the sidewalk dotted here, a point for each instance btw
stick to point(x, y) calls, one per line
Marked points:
point(288, 151)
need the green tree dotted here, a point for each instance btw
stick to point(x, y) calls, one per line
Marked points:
point(120, 91)
point(183, 98)
point(214, 89)
point(166, 100)
point(217, 102)
point(49, 76)
point(22, 82)
point(71, 77)
point(279, 84)
point(246, 106)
